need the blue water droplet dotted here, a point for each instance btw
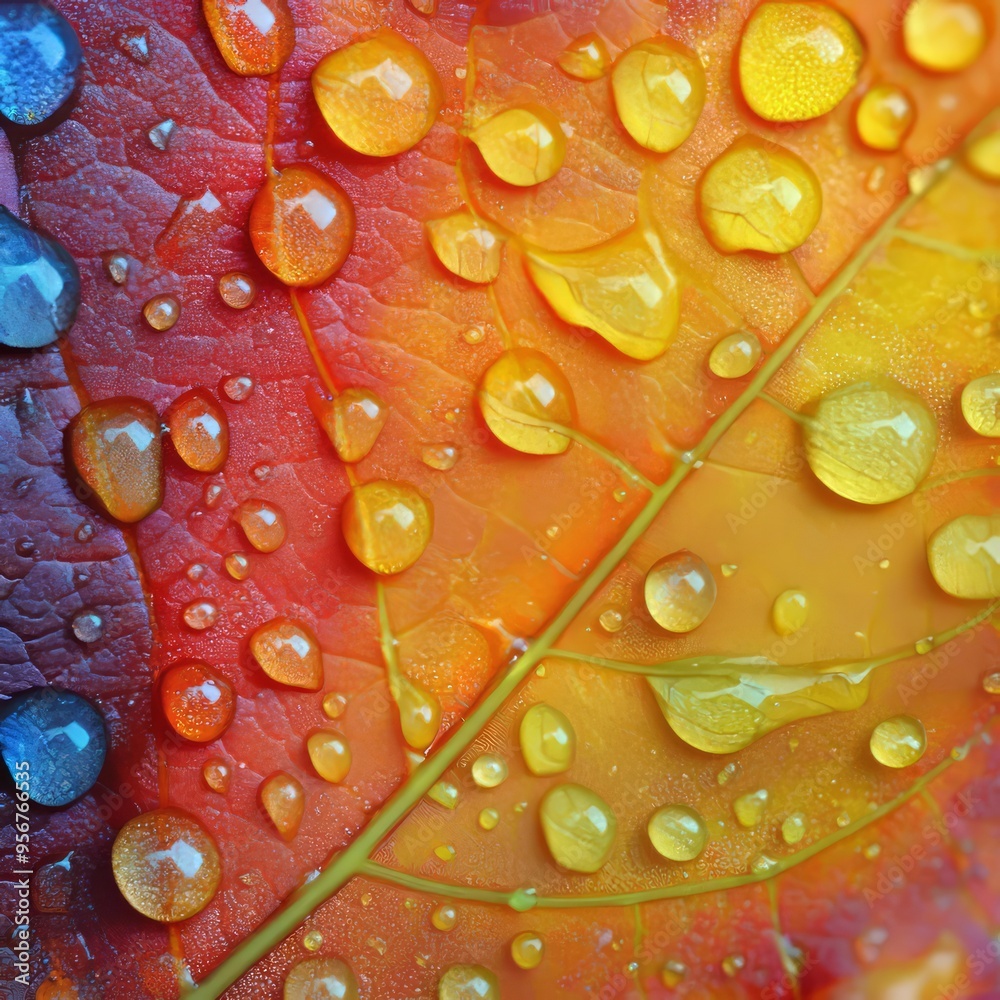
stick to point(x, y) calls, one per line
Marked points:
point(61, 738)
point(39, 286)
point(40, 61)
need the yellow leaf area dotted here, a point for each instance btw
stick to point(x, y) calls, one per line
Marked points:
point(529, 554)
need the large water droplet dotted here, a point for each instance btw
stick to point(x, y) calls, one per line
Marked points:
point(677, 832)
point(527, 950)
point(263, 523)
point(522, 146)
point(981, 405)
point(964, 556)
point(284, 801)
point(387, 525)
point(899, 741)
point(944, 36)
point(680, 591)
point(352, 421)
point(468, 982)
point(330, 754)
point(579, 827)
point(289, 653)
point(197, 702)
point(585, 58)
point(467, 246)
point(199, 430)
point(254, 37)
point(885, 116)
point(547, 739)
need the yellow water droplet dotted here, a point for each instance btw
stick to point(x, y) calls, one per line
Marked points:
point(677, 832)
point(488, 818)
point(467, 246)
point(732, 964)
point(611, 620)
point(238, 565)
point(419, 713)
point(439, 456)
point(162, 312)
point(444, 793)
point(334, 704)
point(445, 852)
point(330, 754)
point(729, 569)
point(885, 115)
point(672, 973)
point(991, 682)
point(199, 430)
point(237, 290)
point(981, 405)
point(793, 829)
point(585, 58)
point(734, 769)
point(734, 356)
point(263, 523)
point(352, 421)
point(548, 741)
point(379, 95)
point(444, 917)
point(944, 35)
point(288, 652)
point(522, 146)
point(680, 591)
point(762, 863)
point(166, 864)
point(871, 851)
point(527, 950)
point(899, 741)
point(387, 525)
point(524, 398)
point(622, 289)
point(759, 196)
point(312, 940)
point(789, 612)
point(964, 556)
point(659, 90)
point(579, 827)
point(750, 808)
point(468, 982)
point(924, 645)
point(321, 979)
point(843, 819)
point(284, 801)
point(489, 770)
point(473, 335)
point(983, 156)
point(217, 774)
point(797, 60)
point(872, 442)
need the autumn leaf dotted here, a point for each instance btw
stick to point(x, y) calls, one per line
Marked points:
point(858, 878)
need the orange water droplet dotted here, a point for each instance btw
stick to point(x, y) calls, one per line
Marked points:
point(197, 702)
point(199, 430)
point(237, 290)
point(166, 864)
point(255, 37)
point(330, 754)
point(115, 447)
point(680, 591)
point(263, 523)
point(237, 388)
point(585, 58)
point(522, 146)
point(334, 704)
point(387, 525)
point(217, 774)
point(200, 615)
point(302, 226)
point(284, 800)
point(885, 115)
point(162, 312)
point(288, 653)
point(352, 421)
point(238, 565)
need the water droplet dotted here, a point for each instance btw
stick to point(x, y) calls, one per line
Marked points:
point(585, 58)
point(749, 808)
point(88, 626)
point(444, 793)
point(444, 917)
point(622, 289)
point(166, 865)
point(330, 754)
point(489, 770)
point(302, 226)
point(797, 60)
point(468, 247)
point(672, 973)
point(255, 38)
point(522, 146)
point(162, 312)
point(284, 801)
point(380, 95)
point(732, 964)
point(24, 546)
point(161, 134)
point(762, 864)
point(924, 645)
point(759, 196)
point(734, 356)
point(134, 42)
point(116, 265)
point(611, 620)
point(237, 388)
point(524, 398)
point(200, 615)
point(729, 569)
point(60, 735)
point(579, 827)
point(312, 940)
point(387, 525)
point(680, 591)
point(237, 290)
point(872, 442)
point(199, 430)
point(885, 116)
point(440, 456)
point(352, 421)
point(983, 156)
point(659, 90)
point(321, 979)
point(198, 704)
point(789, 612)
point(217, 774)
point(419, 713)
point(263, 523)
point(620, 495)
point(195, 571)
point(793, 829)
point(488, 818)
point(843, 819)
point(289, 653)
point(426, 7)
point(734, 769)
point(899, 741)
point(211, 495)
point(468, 982)
point(991, 682)
point(548, 741)
point(237, 565)
point(115, 448)
point(446, 852)
point(964, 556)
point(527, 950)
point(981, 405)
point(52, 890)
point(473, 335)
point(334, 704)
point(677, 832)
point(944, 36)
point(84, 533)
point(871, 851)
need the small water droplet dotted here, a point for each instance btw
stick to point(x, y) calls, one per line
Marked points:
point(579, 827)
point(217, 774)
point(284, 801)
point(680, 591)
point(237, 290)
point(899, 741)
point(200, 615)
point(677, 832)
point(117, 266)
point(238, 565)
point(312, 940)
point(527, 950)
point(263, 523)
point(440, 456)
point(88, 626)
point(162, 312)
point(489, 770)
point(134, 42)
point(237, 388)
